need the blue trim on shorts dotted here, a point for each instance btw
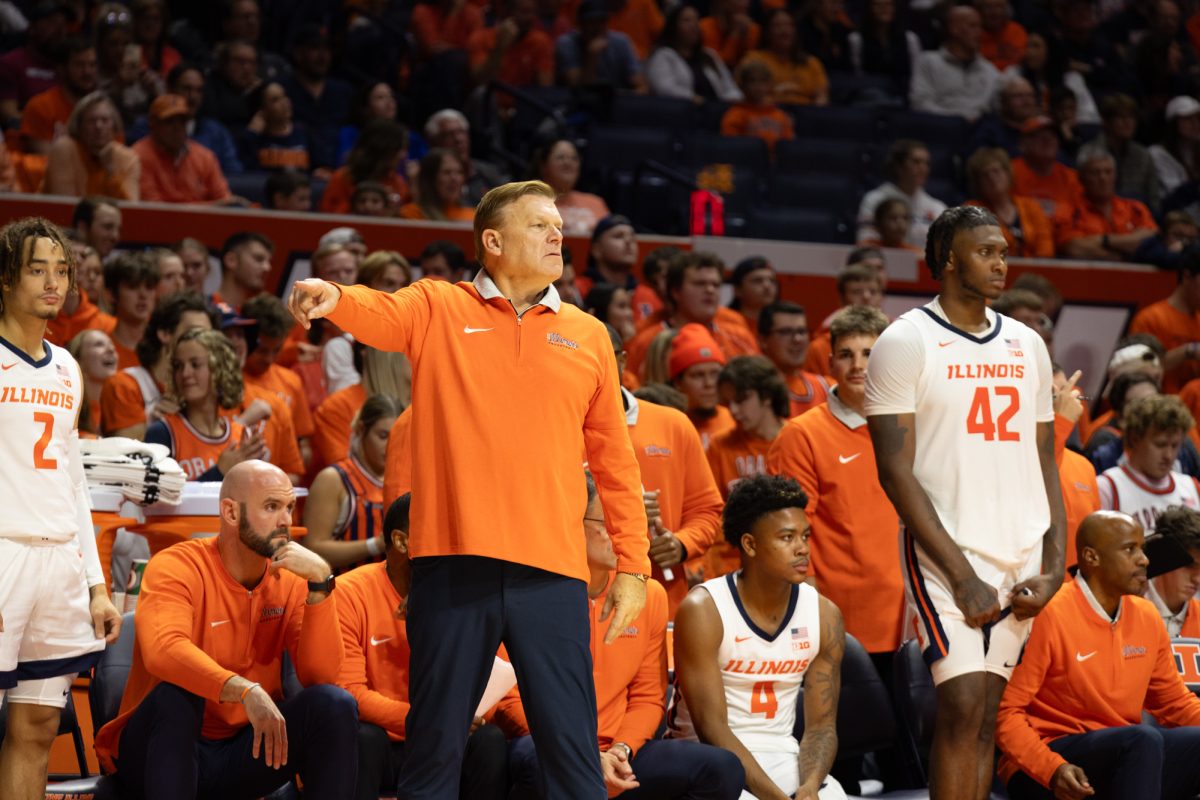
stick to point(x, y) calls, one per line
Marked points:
point(987, 630)
point(8, 679)
point(55, 667)
point(931, 620)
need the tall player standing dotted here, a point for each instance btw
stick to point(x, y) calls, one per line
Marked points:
point(961, 417)
point(55, 615)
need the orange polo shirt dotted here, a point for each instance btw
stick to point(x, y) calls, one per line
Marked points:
point(336, 197)
point(733, 456)
point(287, 386)
point(769, 123)
point(45, 115)
point(126, 356)
point(671, 459)
point(431, 27)
point(712, 425)
point(493, 391)
point(397, 471)
point(1054, 693)
point(453, 213)
point(855, 551)
point(527, 62)
point(121, 403)
point(806, 390)
point(1077, 481)
point(630, 676)
point(731, 49)
point(1173, 328)
point(375, 644)
point(88, 316)
point(1084, 219)
point(333, 422)
point(197, 627)
point(193, 177)
point(1058, 190)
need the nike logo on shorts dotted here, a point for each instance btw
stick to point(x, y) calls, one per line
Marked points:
point(376, 642)
point(468, 329)
point(848, 459)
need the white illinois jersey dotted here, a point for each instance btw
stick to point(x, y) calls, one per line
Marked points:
point(762, 672)
point(977, 400)
point(39, 402)
point(1122, 489)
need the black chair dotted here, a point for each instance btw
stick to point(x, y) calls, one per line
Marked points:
point(815, 191)
point(250, 185)
point(624, 147)
point(790, 223)
point(937, 131)
point(843, 123)
point(827, 156)
point(649, 111)
point(748, 152)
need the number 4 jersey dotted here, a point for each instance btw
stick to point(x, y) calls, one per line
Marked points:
point(762, 670)
point(39, 402)
point(977, 400)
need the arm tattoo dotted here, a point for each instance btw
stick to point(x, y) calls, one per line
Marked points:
point(888, 435)
point(822, 687)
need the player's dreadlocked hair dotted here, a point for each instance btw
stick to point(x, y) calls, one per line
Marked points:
point(754, 498)
point(940, 239)
point(16, 247)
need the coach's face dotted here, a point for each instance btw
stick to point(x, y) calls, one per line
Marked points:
point(1118, 558)
point(778, 544)
point(979, 261)
point(528, 241)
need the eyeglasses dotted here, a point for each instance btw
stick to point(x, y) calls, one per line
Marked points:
point(116, 18)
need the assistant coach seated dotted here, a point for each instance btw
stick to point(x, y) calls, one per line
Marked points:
point(203, 713)
point(1071, 717)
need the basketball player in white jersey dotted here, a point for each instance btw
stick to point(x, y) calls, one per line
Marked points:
point(55, 614)
point(1144, 483)
point(961, 416)
point(746, 641)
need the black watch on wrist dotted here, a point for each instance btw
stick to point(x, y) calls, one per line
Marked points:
point(324, 586)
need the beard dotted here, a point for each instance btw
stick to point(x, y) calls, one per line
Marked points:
point(264, 545)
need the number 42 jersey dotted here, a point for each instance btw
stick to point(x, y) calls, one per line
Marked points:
point(39, 402)
point(977, 399)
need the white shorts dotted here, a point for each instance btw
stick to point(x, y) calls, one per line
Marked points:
point(952, 647)
point(48, 636)
point(784, 771)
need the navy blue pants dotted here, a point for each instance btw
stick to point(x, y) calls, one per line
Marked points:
point(665, 769)
point(162, 754)
point(484, 767)
point(1128, 762)
point(460, 608)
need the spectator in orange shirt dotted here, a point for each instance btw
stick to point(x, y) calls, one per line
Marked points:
point(755, 286)
point(261, 371)
point(693, 290)
point(90, 160)
point(375, 673)
point(797, 76)
point(79, 312)
point(1026, 227)
point(693, 366)
point(757, 115)
point(859, 283)
point(1175, 322)
point(1097, 659)
point(97, 362)
point(245, 264)
point(98, 221)
point(1038, 173)
point(377, 156)
point(203, 712)
point(529, 576)
point(1101, 225)
point(176, 169)
point(631, 689)
point(1174, 593)
point(1076, 475)
point(130, 280)
point(344, 510)
point(1002, 40)
point(514, 50)
point(784, 335)
point(654, 275)
point(440, 26)
point(44, 117)
point(439, 189)
point(730, 31)
point(612, 256)
point(641, 21)
point(558, 164)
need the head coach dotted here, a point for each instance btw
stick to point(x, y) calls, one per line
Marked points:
point(510, 388)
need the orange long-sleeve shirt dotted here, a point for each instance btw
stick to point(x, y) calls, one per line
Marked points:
point(333, 421)
point(733, 456)
point(672, 463)
point(397, 470)
point(197, 627)
point(502, 407)
point(1173, 328)
point(375, 665)
point(711, 425)
point(121, 403)
point(287, 386)
point(855, 554)
point(63, 328)
point(1060, 688)
point(630, 676)
point(1077, 481)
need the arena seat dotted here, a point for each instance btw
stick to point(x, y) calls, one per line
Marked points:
point(845, 123)
point(826, 156)
point(814, 190)
point(705, 147)
point(650, 111)
point(794, 223)
point(937, 131)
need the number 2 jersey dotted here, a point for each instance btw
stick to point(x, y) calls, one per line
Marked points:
point(977, 400)
point(39, 403)
point(762, 671)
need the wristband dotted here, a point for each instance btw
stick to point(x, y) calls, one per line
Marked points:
point(373, 546)
point(245, 692)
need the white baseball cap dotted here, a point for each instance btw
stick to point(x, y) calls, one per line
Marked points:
point(1182, 106)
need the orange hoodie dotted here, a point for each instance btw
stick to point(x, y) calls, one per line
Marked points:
point(197, 627)
point(630, 676)
point(1077, 480)
point(1061, 688)
point(502, 407)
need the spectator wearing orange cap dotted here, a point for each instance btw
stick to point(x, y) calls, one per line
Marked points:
point(1038, 173)
point(694, 366)
point(176, 169)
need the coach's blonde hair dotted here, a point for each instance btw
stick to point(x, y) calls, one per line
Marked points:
point(489, 214)
point(1163, 413)
point(225, 375)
